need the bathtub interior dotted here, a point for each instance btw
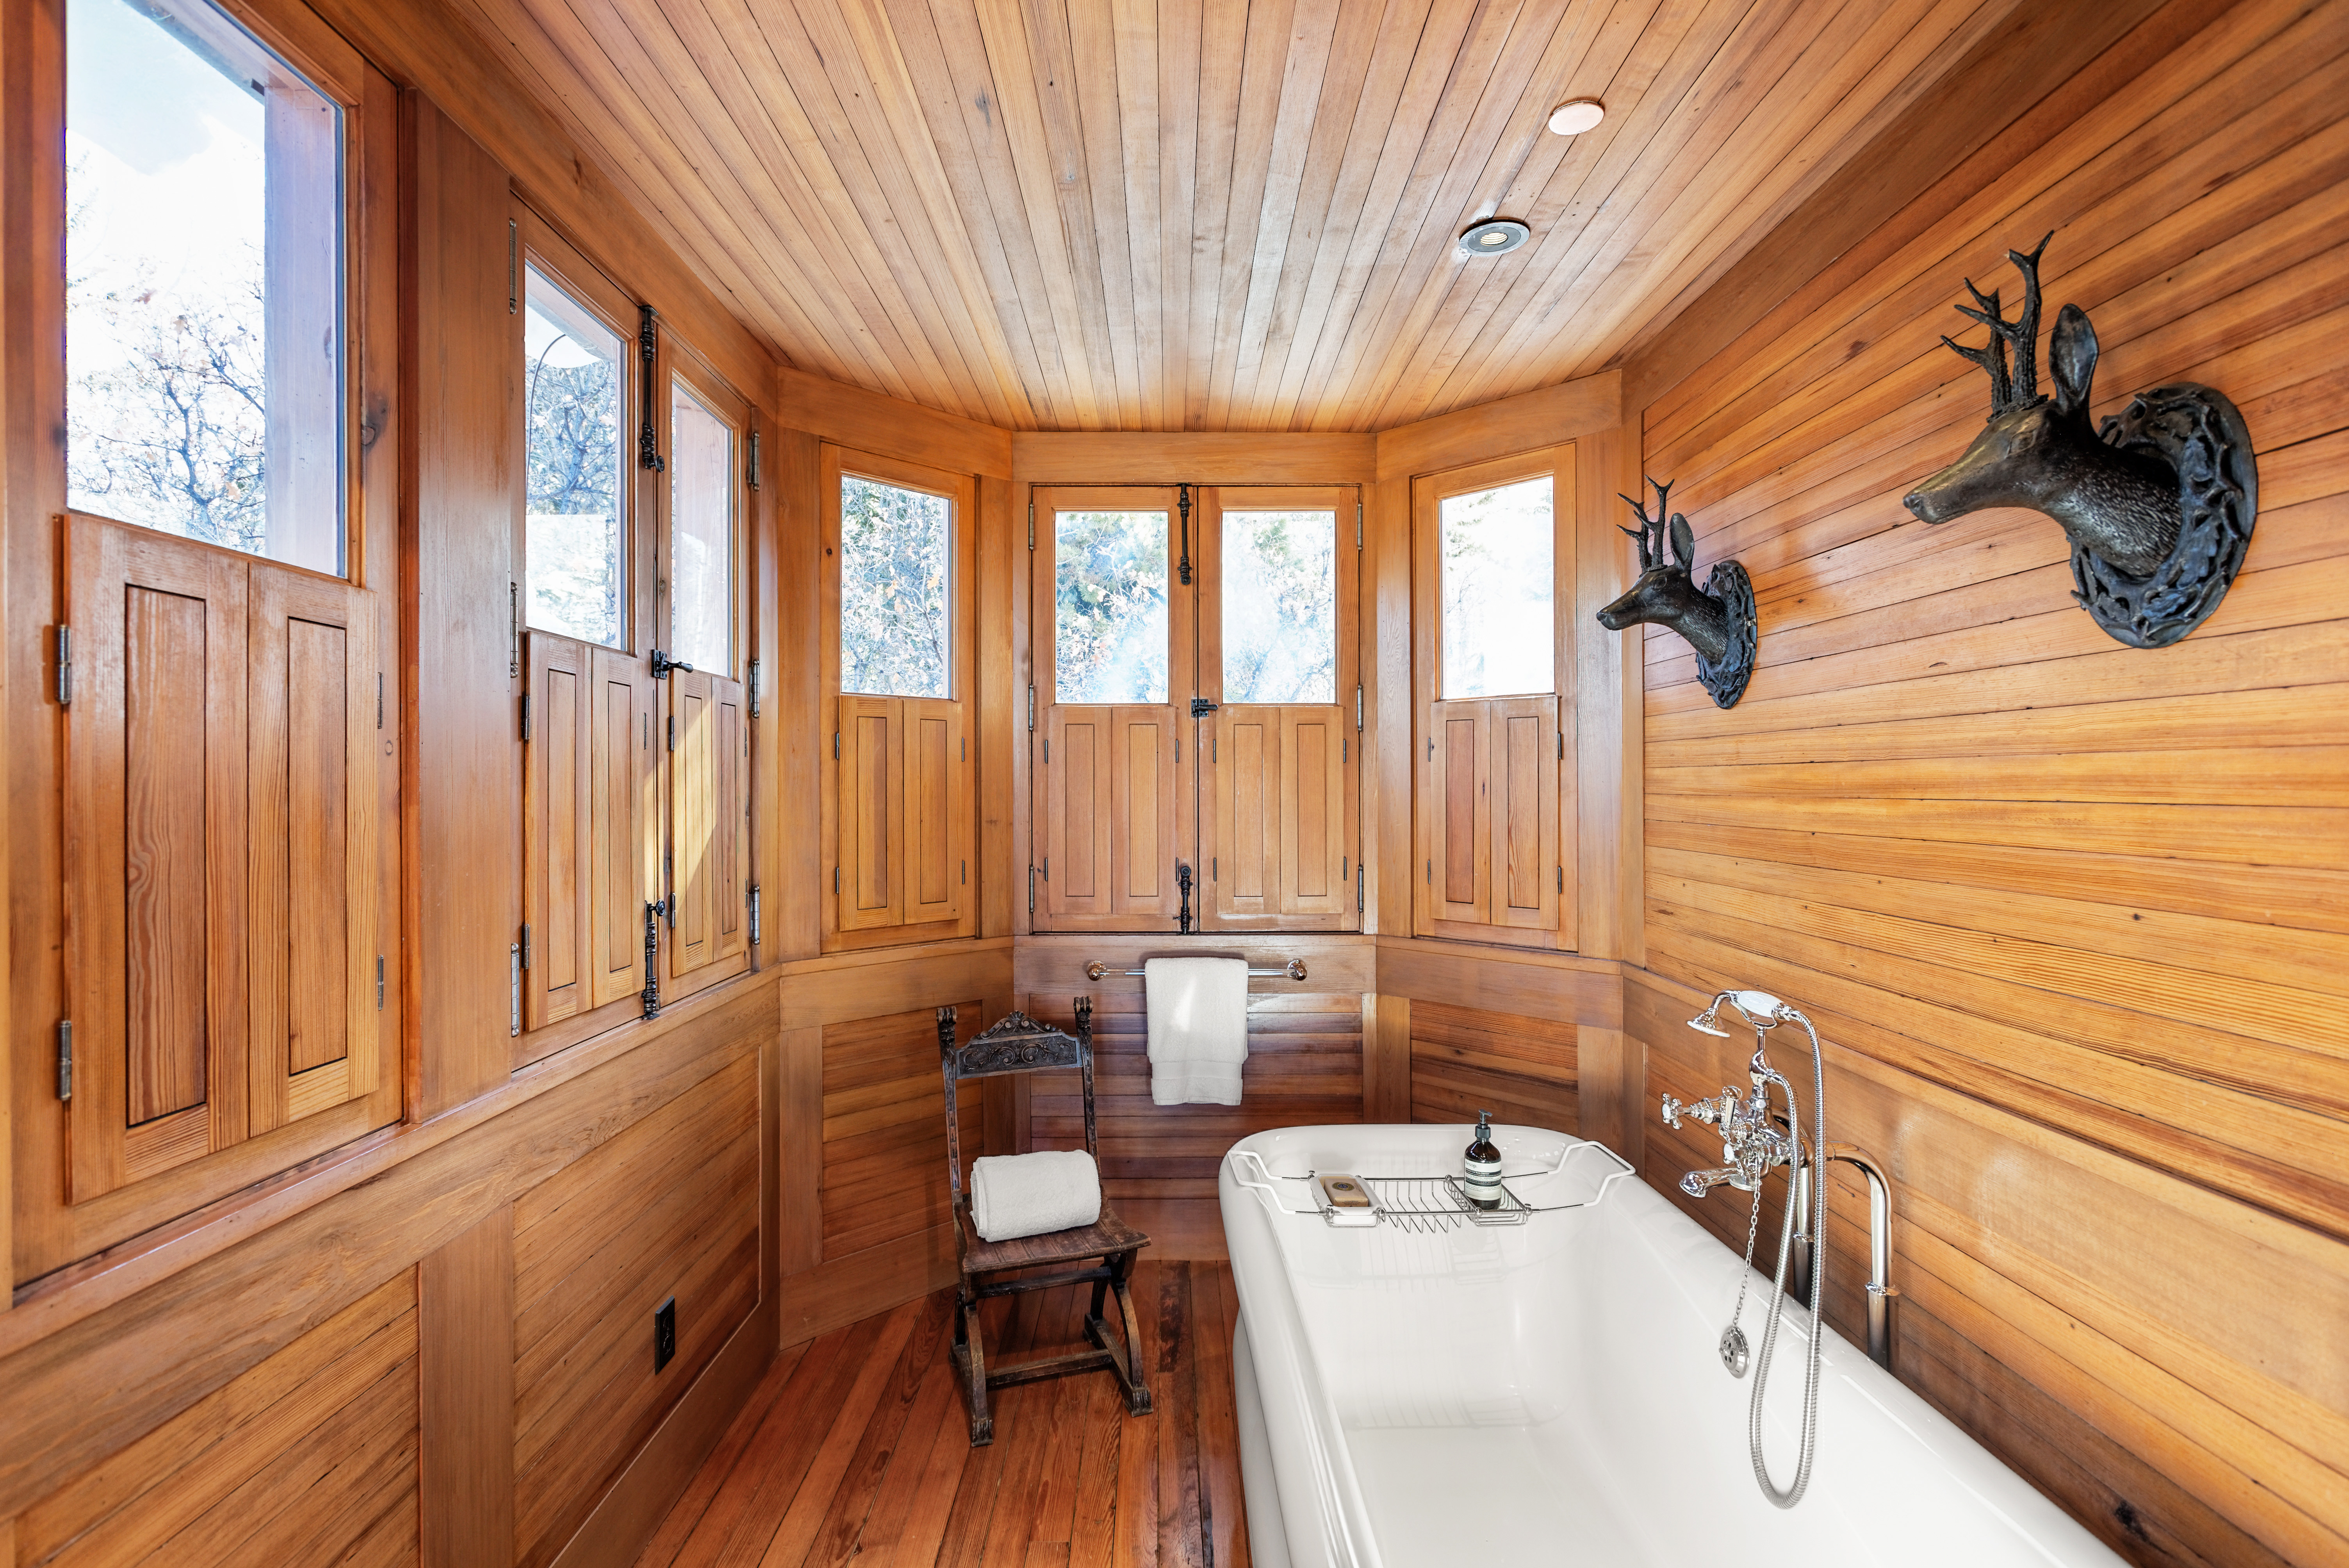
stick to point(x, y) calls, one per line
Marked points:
point(1554, 1386)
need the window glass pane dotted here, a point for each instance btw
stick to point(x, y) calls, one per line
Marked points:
point(1108, 606)
point(1280, 606)
point(700, 535)
point(1497, 548)
point(896, 580)
point(203, 283)
point(572, 387)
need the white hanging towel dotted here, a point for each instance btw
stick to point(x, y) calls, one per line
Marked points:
point(1015, 1195)
point(1199, 1029)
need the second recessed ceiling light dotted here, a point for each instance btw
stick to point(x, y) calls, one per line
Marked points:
point(1495, 237)
point(1576, 116)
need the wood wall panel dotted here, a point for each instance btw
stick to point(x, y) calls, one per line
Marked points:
point(669, 1208)
point(1465, 1060)
point(307, 1458)
point(884, 1136)
point(2064, 911)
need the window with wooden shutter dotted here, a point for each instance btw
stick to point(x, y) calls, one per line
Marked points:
point(1494, 656)
point(896, 670)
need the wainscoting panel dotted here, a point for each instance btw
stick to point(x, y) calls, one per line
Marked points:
point(884, 1127)
point(1463, 1060)
point(669, 1208)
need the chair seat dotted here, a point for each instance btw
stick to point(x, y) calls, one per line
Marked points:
point(1105, 1236)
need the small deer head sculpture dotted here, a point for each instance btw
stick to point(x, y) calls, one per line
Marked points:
point(2122, 505)
point(1717, 620)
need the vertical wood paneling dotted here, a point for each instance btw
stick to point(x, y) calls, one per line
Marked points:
point(166, 935)
point(2063, 910)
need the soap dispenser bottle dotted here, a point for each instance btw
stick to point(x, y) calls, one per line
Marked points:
point(1481, 1174)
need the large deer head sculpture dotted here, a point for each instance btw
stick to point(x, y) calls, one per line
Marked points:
point(1717, 619)
point(2125, 495)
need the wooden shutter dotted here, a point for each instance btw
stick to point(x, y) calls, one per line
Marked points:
point(1075, 873)
point(1243, 873)
point(155, 852)
point(1526, 868)
point(312, 941)
point(936, 796)
point(558, 849)
point(1316, 866)
point(872, 812)
point(620, 810)
point(1456, 857)
point(1145, 819)
point(707, 847)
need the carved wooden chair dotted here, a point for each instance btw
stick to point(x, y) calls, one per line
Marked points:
point(1017, 1044)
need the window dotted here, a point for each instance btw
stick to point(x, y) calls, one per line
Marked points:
point(1108, 606)
point(1196, 678)
point(897, 803)
point(1494, 780)
point(575, 466)
point(896, 589)
point(701, 470)
point(205, 314)
point(1280, 606)
point(1497, 557)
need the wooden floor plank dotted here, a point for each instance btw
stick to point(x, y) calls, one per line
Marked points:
point(856, 1447)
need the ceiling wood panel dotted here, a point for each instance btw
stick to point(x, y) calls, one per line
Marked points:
point(1219, 214)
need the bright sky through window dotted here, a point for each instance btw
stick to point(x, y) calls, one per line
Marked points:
point(1498, 555)
point(571, 387)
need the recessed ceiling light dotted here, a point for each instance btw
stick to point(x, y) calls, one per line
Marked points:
point(1576, 116)
point(1495, 237)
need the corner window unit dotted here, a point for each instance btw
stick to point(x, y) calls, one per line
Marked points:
point(223, 662)
point(1493, 659)
point(1210, 724)
point(898, 661)
point(634, 728)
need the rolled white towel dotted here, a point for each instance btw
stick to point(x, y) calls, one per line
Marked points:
point(1015, 1195)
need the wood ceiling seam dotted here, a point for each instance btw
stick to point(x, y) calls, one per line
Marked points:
point(1482, 91)
point(1003, 35)
point(1223, 43)
point(1260, 63)
point(909, 189)
point(994, 199)
point(1427, 76)
point(1179, 34)
point(1134, 47)
point(1052, 70)
point(613, 82)
point(873, 190)
point(1679, 115)
point(2079, 169)
point(1100, 111)
point(1315, 33)
point(637, 174)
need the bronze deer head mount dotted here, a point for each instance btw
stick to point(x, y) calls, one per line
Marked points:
point(1718, 620)
point(2158, 501)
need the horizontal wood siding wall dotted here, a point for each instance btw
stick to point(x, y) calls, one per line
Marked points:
point(2073, 916)
point(884, 1127)
point(668, 1209)
point(309, 1457)
point(1464, 1060)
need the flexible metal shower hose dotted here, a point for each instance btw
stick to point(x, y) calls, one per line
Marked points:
point(1818, 1226)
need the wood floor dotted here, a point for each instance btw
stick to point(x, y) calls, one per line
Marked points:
point(855, 1447)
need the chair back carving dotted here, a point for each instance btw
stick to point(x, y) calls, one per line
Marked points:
point(1014, 1043)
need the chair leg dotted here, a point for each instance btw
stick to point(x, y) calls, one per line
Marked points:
point(1137, 1387)
point(970, 1359)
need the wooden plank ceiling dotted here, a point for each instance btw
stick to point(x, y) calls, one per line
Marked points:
point(1217, 214)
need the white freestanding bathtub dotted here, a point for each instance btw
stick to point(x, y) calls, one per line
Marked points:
point(1550, 1392)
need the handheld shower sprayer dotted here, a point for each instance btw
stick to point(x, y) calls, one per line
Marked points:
point(1752, 1144)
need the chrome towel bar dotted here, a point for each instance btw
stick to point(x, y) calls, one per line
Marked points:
point(1294, 971)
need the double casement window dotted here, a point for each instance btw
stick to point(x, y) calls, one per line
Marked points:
point(228, 571)
point(1494, 564)
point(1196, 708)
point(897, 669)
point(635, 728)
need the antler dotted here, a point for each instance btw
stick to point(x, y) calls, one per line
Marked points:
point(1650, 527)
point(2020, 387)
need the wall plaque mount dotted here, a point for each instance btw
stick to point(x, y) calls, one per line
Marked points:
point(1718, 620)
point(2158, 501)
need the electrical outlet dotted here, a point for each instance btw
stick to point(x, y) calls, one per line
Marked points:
point(664, 1334)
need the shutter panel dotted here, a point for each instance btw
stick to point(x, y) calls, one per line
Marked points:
point(1243, 875)
point(936, 795)
point(1316, 851)
point(1523, 814)
point(871, 812)
point(707, 841)
point(1459, 826)
point(557, 847)
point(731, 820)
point(620, 783)
point(155, 852)
point(1075, 875)
point(311, 890)
point(1143, 824)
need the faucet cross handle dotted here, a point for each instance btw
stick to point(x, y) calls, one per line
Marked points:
point(1716, 1111)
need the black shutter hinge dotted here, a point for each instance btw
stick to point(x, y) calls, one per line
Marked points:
point(648, 349)
point(672, 732)
point(752, 461)
point(514, 989)
point(525, 716)
point(65, 1058)
point(753, 673)
point(525, 944)
point(754, 914)
point(378, 982)
point(65, 666)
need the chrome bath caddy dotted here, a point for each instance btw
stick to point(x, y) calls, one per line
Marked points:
point(1428, 1203)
